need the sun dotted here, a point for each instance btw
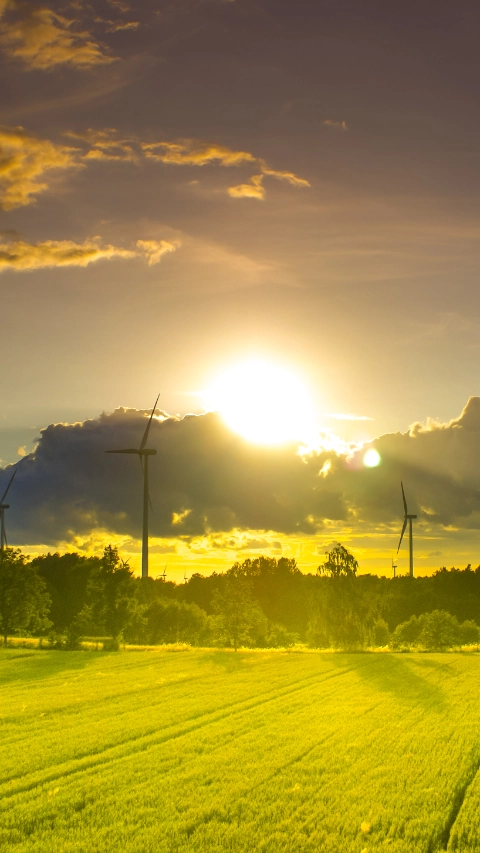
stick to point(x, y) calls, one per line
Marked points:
point(263, 403)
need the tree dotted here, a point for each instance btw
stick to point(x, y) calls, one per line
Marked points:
point(111, 601)
point(170, 621)
point(440, 630)
point(239, 618)
point(24, 602)
point(339, 563)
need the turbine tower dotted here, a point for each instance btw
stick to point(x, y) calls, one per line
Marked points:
point(3, 507)
point(143, 453)
point(408, 518)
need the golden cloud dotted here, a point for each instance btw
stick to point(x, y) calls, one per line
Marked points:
point(254, 189)
point(106, 145)
point(286, 176)
point(24, 159)
point(20, 255)
point(191, 152)
point(43, 39)
point(155, 249)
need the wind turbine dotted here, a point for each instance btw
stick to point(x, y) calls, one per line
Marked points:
point(3, 507)
point(394, 567)
point(143, 453)
point(408, 518)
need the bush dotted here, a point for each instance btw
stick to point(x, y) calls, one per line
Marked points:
point(381, 634)
point(407, 633)
point(469, 633)
point(440, 630)
point(435, 630)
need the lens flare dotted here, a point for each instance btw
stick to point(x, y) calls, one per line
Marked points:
point(263, 403)
point(372, 458)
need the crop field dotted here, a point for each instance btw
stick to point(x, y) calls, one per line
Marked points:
point(255, 751)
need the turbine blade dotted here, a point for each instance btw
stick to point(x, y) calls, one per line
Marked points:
point(149, 501)
point(6, 490)
point(5, 538)
point(129, 450)
point(147, 430)
point(404, 501)
point(403, 531)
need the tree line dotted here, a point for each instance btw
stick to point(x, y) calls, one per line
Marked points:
point(261, 602)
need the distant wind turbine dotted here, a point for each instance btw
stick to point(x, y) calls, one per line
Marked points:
point(143, 453)
point(3, 507)
point(408, 518)
point(394, 567)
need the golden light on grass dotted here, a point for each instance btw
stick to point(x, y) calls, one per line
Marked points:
point(262, 402)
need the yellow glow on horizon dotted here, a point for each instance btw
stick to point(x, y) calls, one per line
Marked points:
point(263, 403)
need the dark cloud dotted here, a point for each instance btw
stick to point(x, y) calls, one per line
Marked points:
point(205, 479)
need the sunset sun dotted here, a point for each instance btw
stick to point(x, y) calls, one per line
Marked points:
point(262, 402)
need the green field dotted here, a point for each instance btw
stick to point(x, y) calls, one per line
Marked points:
point(254, 751)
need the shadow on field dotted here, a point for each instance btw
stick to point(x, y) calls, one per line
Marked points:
point(37, 665)
point(396, 674)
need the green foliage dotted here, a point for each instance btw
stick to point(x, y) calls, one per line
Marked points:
point(110, 597)
point(440, 630)
point(170, 621)
point(339, 563)
point(469, 633)
point(381, 633)
point(24, 602)
point(342, 615)
point(239, 619)
point(437, 630)
point(407, 633)
point(66, 577)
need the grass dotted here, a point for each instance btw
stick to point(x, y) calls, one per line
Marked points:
point(217, 751)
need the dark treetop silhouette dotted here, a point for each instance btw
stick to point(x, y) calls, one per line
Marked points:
point(143, 453)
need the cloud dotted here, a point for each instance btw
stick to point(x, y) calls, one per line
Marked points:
point(43, 39)
point(206, 480)
point(211, 480)
point(20, 255)
point(336, 125)
point(106, 145)
point(24, 160)
point(56, 253)
point(254, 189)
point(191, 152)
point(286, 176)
point(117, 26)
point(155, 249)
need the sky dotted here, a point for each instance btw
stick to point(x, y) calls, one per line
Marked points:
point(189, 187)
